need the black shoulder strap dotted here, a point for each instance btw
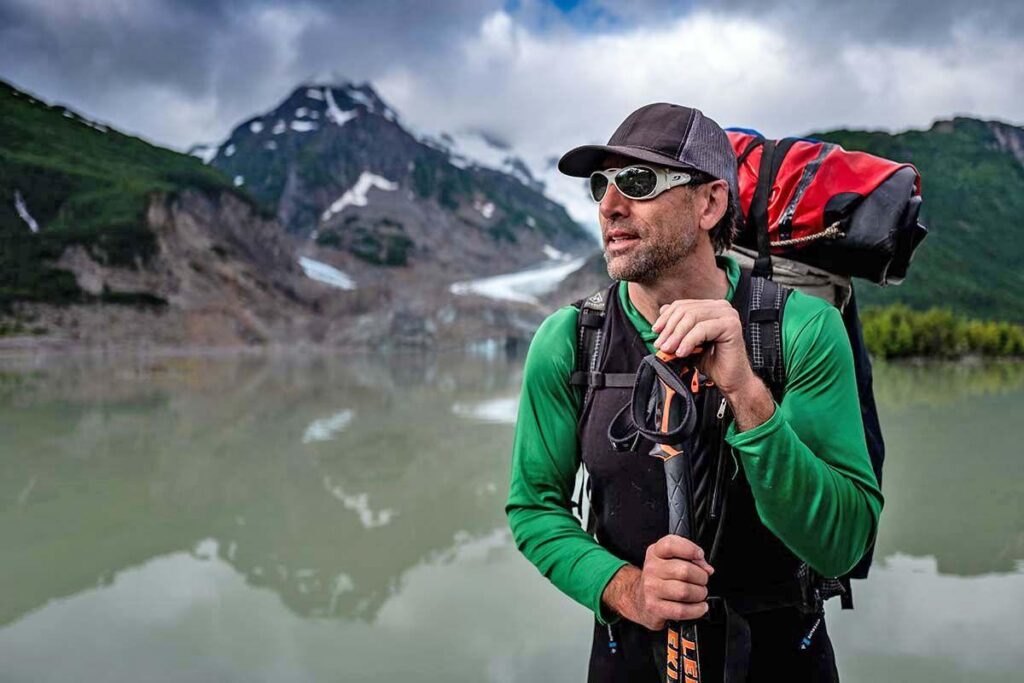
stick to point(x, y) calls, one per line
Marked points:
point(772, 155)
point(760, 303)
point(589, 335)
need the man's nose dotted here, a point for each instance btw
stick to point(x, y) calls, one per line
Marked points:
point(613, 204)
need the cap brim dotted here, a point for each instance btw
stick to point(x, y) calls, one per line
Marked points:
point(580, 162)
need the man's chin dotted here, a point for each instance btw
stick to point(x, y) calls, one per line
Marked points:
point(622, 267)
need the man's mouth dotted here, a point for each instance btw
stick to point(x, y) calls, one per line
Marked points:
point(620, 240)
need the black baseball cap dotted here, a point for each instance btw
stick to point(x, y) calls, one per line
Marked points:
point(663, 134)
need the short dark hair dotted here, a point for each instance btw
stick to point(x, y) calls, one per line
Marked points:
point(728, 225)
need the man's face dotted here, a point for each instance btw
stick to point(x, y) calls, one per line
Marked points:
point(643, 239)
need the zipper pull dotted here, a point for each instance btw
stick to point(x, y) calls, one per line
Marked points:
point(612, 645)
point(806, 642)
point(721, 410)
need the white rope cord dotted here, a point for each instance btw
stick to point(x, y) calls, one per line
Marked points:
point(829, 232)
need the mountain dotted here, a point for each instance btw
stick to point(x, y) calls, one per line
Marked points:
point(973, 189)
point(107, 239)
point(340, 170)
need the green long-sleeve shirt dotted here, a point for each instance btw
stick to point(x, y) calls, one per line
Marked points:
point(807, 466)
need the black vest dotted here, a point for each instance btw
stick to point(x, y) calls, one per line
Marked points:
point(754, 571)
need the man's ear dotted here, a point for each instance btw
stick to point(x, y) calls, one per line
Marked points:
point(716, 199)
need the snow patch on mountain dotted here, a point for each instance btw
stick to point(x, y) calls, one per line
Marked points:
point(22, 209)
point(327, 274)
point(356, 195)
point(524, 286)
point(256, 127)
point(239, 180)
point(334, 113)
point(361, 98)
point(486, 209)
point(229, 150)
point(373, 106)
point(573, 195)
point(315, 94)
point(302, 126)
point(205, 152)
point(466, 149)
point(279, 127)
point(555, 254)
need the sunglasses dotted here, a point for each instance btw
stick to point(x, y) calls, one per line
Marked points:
point(637, 181)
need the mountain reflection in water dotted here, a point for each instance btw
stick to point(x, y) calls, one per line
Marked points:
point(366, 493)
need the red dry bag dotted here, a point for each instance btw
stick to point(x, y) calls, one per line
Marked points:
point(850, 213)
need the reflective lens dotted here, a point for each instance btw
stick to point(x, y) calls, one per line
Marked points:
point(636, 182)
point(598, 186)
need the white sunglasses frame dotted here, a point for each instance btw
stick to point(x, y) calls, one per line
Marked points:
point(667, 178)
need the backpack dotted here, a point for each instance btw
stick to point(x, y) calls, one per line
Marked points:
point(850, 213)
point(761, 315)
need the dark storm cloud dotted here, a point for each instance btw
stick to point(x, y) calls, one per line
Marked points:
point(230, 56)
point(181, 71)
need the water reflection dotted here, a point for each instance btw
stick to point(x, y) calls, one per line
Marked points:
point(939, 383)
point(287, 518)
point(952, 480)
point(300, 470)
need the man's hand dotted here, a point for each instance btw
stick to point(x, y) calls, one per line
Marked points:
point(671, 587)
point(714, 324)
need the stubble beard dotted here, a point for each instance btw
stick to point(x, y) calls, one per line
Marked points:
point(647, 262)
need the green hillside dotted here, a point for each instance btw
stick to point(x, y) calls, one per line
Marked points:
point(973, 190)
point(80, 183)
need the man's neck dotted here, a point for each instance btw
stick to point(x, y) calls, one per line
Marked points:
point(697, 277)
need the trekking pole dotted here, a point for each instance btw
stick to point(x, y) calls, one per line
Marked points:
point(663, 410)
point(682, 645)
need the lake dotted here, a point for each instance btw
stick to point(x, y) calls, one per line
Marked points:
point(339, 518)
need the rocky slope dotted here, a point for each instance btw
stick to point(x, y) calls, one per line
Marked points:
point(109, 240)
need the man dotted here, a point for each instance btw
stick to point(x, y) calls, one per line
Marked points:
point(800, 489)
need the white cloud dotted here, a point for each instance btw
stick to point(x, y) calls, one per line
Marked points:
point(542, 86)
point(546, 93)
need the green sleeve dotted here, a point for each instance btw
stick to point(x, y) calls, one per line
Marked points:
point(808, 465)
point(544, 463)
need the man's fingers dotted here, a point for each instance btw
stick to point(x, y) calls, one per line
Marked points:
point(672, 320)
point(680, 611)
point(673, 546)
point(678, 591)
point(704, 331)
point(681, 317)
point(684, 570)
point(703, 564)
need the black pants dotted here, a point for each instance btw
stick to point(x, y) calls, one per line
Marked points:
point(775, 653)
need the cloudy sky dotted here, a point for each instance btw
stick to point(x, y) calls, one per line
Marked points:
point(544, 75)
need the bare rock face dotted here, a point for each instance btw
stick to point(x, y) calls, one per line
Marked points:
point(223, 276)
point(1010, 138)
point(226, 276)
